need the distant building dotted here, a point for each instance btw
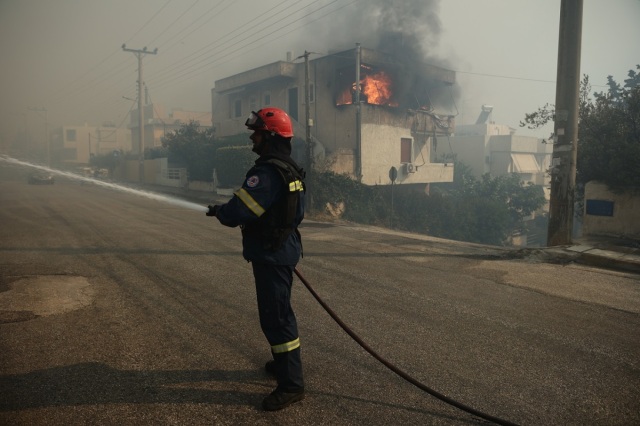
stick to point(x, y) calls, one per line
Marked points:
point(75, 145)
point(158, 123)
point(487, 147)
point(392, 126)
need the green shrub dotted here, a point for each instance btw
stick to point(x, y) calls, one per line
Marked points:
point(364, 204)
point(232, 164)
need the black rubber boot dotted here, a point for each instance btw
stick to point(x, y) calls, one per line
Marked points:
point(279, 399)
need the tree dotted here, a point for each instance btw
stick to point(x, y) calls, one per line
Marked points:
point(608, 132)
point(193, 148)
point(502, 200)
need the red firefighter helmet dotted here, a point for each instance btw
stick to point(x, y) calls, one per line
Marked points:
point(272, 120)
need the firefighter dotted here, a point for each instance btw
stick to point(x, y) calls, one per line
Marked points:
point(269, 207)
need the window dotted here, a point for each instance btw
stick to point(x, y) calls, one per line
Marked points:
point(266, 99)
point(237, 108)
point(71, 135)
point(253, 104)
point(312, 93)
point(405, 150)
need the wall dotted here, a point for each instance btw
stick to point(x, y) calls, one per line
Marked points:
point(381, 151)
point(472, 150)
point(625, 220)
point(129, 170)
point(484, 129)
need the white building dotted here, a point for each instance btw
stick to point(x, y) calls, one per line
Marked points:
point(487, 147)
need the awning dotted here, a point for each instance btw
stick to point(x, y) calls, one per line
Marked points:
point(525, 163)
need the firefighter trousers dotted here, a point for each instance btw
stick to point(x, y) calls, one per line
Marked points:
point(278, 322)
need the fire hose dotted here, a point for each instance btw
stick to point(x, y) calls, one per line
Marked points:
point(395, 369)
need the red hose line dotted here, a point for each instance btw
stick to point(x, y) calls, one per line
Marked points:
point(395, 369)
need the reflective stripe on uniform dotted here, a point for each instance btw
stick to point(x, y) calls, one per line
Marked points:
point(294, 186)
point(248, 201)
point(286, 347)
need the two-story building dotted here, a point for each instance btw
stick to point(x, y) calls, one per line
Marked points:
point(389, 120)
point(75, 145)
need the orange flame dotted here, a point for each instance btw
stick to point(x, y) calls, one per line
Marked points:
point(376, 89)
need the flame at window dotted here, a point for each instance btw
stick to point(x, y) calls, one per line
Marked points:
point(376, 88)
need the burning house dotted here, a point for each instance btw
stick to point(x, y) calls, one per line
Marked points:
point(369, 112)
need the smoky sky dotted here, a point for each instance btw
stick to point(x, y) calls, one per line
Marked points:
point(65, 56)
point(406, 28)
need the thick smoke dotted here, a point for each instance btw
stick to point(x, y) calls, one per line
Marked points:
point(409, 30)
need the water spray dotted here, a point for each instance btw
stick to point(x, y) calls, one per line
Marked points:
point(74, 176)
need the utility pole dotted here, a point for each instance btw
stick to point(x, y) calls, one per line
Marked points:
point(358, 118)
point(46, 132)
point(140, 54)
point(99, 137)
point(307, 104)
point(565, 148)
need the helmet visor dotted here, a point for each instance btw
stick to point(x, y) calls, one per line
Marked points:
point(254, 121)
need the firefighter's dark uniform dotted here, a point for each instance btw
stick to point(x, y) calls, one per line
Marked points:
point(269, 207)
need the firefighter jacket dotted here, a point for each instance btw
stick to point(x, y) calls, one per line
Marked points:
point(268, 207)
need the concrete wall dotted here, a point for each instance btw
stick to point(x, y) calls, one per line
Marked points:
point(473, 151)
point(626, 213)
point(129, 170)
point(381, 151)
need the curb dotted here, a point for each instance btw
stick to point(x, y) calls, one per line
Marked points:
point(609, 259)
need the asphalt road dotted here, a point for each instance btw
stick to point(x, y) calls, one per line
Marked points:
point(119, 310)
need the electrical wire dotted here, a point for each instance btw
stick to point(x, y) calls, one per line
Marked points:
point(395, 369)
point(174, 21)
point(178, 39)
point(251, 36)
point(106, 76)
point(109, 72)
point(242, 50)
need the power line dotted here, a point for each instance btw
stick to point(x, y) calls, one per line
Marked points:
point(505, 76)
point(186, 72)
point(149, 21)
point(65, 89)
point(514, 78)
point(174, 21)
point(176, 37)
point(240, 29)
point(105, 78)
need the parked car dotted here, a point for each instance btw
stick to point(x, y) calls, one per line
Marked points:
point(41, 179)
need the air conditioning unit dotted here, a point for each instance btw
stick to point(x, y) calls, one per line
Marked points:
point(410, 167)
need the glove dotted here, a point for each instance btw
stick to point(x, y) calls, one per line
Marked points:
point(212, 210)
